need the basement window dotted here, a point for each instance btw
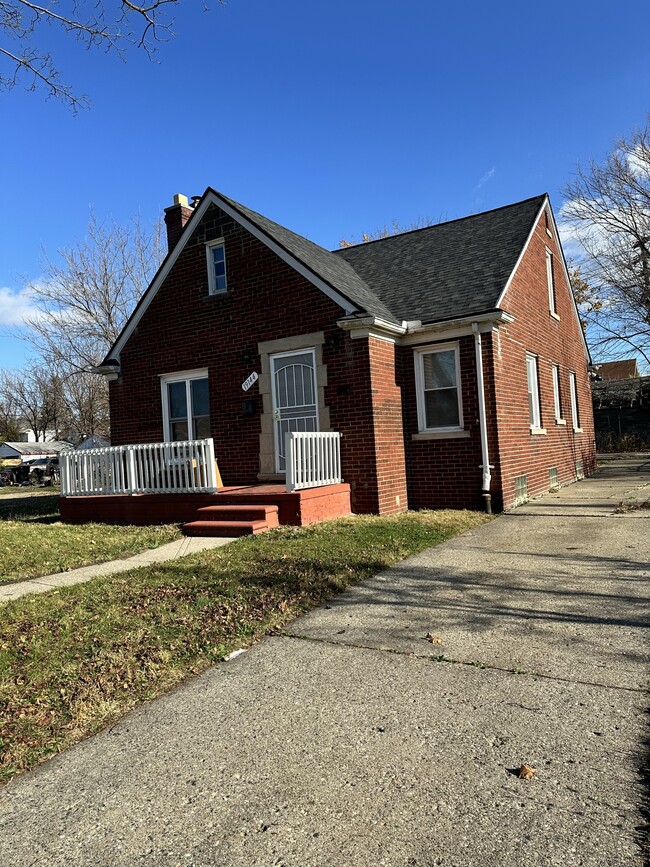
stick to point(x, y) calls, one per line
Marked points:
point(553, 481)
point(216, 253)
point(580, 471)
point(521, 489)
point(437, 377)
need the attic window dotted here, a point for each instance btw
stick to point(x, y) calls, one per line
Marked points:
point(216, 254)
point(550, 278)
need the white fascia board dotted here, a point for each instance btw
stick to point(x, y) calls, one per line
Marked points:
point(360, 326)
point(409, 334)
point(523, 251)
point(453, 329)
point(212, 198)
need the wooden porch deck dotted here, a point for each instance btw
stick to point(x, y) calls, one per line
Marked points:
point(295, 508)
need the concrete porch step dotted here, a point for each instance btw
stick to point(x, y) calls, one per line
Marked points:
point(225, 528)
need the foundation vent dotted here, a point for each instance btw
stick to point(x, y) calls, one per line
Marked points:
point(553, 483)
point(580, 471)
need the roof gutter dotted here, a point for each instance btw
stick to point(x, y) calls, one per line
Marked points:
point(109, 368)
point(365, 325)
point(417, 327)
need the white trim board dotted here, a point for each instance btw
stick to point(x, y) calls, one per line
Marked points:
point(210, 197)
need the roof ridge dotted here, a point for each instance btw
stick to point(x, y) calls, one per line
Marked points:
point(442, 223)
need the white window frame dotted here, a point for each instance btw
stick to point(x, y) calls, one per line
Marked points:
point(532, 371)
point(182, 376)
point(557, 400)
point(575, 411)
point(550, 280)
point(419, 354)
point(209, 247)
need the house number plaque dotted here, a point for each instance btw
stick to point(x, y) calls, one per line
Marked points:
point(251, 380)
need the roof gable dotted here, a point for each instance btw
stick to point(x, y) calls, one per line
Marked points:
point(336, 278)
point(449, 270)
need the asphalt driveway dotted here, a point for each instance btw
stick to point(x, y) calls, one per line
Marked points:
point(354, 740)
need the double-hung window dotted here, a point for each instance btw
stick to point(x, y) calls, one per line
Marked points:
point(186, 406)
point(557, 394)
point(533, 392)
point(551, 283)
point(575, 410)
point(216, 253)
point(437, 374)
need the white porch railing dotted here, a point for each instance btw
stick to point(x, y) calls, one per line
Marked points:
point(313, 459)
point(150, 468)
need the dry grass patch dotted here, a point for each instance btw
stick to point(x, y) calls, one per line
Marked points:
point(76, 659)
point(34, 542)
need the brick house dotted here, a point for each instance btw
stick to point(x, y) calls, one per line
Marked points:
point(450, 359)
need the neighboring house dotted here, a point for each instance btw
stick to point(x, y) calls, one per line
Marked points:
point(32, 451)
point(450, 359)
point(27, 435)
point(627, 368)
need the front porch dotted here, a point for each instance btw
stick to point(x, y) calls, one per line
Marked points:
point(159, 483)
point(296, 508)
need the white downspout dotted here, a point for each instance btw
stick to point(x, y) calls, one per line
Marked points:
point(485, 455)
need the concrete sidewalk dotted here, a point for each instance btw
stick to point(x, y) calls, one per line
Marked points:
point(169, 551)
point(354, 742)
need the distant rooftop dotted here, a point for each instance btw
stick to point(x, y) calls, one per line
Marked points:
point(625, 369)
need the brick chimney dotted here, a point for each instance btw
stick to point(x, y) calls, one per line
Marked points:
point(175, 219)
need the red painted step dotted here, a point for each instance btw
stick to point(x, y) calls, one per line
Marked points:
point(224, 528)
point(232, 520)
point(255, 512)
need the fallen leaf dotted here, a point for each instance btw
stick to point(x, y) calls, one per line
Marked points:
point(434, 639)
point(526, 772)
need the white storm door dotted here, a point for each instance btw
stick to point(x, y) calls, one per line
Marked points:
point(295, 398)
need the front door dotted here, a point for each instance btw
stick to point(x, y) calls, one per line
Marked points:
point(293, 375)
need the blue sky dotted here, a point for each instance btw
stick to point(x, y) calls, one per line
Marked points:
point(331, 118)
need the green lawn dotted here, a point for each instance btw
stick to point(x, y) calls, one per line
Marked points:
point(33, 541)
point(12, 490)
point(76, 659)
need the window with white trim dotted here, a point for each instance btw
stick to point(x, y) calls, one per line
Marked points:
point(186, 406)
point(437, 374)
point(216, 253)
point(533, 391)
point(557, 399)
point(575, 411)
point(550, 279)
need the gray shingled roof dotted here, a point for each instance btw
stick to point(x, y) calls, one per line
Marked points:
point(334, 270)
point(449, 270)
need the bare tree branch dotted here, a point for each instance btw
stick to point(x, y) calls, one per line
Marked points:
point(113, 26)
point(608, 207)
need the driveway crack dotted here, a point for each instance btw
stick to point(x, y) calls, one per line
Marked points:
point(442, 658)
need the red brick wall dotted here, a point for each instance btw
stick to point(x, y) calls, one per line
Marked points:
point(554, 342)
point(184, 328)
point(446, 473)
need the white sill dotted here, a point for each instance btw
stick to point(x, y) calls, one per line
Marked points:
point(554, 315)
point(560, 421)
point(442, 435)
point(549, 233)
point(537, 431)
point(577, 430)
